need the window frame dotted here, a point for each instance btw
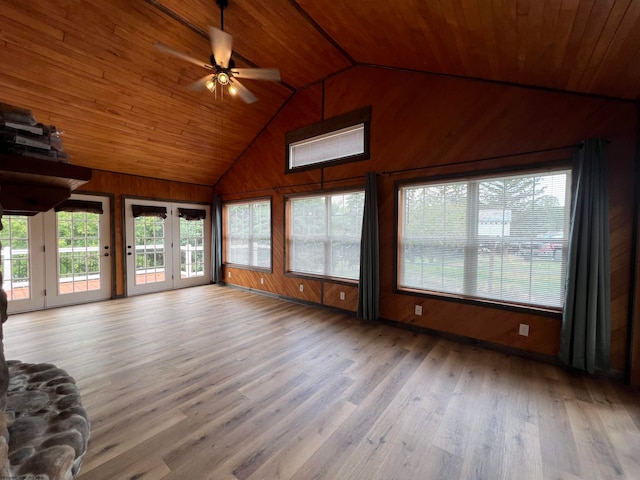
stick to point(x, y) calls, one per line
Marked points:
point(534, 169)
point(225, 233)
point(287, 234)
point(324, 127)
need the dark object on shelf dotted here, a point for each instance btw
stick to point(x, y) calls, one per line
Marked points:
point(11, 113)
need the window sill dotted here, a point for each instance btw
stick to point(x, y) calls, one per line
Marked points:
point(325, 278)
point(248, 267)
point(483, 302)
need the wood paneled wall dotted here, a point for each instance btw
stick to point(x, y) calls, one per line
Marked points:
point(436, 122)
point(120, 186)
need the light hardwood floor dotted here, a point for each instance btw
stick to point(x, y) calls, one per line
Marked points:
point(218, 383)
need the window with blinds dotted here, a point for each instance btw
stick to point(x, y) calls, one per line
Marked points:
point(248, 233)
point(339, 139)
point(346, 142)
point(503, 238)
point(323, 234)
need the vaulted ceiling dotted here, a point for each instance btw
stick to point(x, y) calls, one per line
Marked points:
point(90, 67)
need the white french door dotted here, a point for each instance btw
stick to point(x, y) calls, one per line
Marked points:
point(57, 258)
point(23, 262)
point(167, 245)
point(79, 268)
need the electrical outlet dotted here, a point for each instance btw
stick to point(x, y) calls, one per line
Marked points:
point(229, 274)
point(341, 295)
point(524, 330)
point(261, 281)
point(418, 310)
point(301, 287)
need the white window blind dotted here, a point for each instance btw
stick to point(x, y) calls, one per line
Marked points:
point(248, 234)
point(334, 145)
point(503, 238)
point(324, 234)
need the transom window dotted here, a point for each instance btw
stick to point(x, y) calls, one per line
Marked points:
point(324, 234)
point(342, 143)
point(248, 233)
point(340, 139)
point(502, 238)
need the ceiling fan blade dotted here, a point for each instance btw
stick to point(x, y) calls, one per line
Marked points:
point(258, 73)
point(244, 93)
point(201, 83)
point(220, 46)
point(163, 48)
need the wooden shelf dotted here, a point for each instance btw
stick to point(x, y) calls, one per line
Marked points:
point(31, 185)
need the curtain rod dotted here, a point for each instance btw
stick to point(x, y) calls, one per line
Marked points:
point(484, 159)
point(278, 187)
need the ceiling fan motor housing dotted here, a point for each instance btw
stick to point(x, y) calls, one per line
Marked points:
point(212, 60)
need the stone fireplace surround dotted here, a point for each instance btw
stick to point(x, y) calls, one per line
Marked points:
point(48, 430)
point(44, 431)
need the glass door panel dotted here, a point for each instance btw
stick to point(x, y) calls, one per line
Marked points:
point(149, 250)
point(194, 258)
point(148, 247)
point(80, 270)
point(22, 265)
point(191, 248)
point(78, 252)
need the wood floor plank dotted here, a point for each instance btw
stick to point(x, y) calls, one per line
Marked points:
point(113, 440)
point(287, 460)
point(402, 435)
point(147, 467)
point(596, 452)
point(461, 414)
point(240, 425)
point(620, 428)
point(522, 446)
point(326, 461)
point(393, 447)
point(256, 452)
point(486, 458)
point(559, 451)
point(217, 383)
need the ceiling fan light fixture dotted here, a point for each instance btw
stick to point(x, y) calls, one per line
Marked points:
point(223, 78)
point(221, 67)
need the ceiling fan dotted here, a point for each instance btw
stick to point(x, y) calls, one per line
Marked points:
point(224, 72)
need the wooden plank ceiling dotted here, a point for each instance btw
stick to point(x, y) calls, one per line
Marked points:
point(89, 66)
